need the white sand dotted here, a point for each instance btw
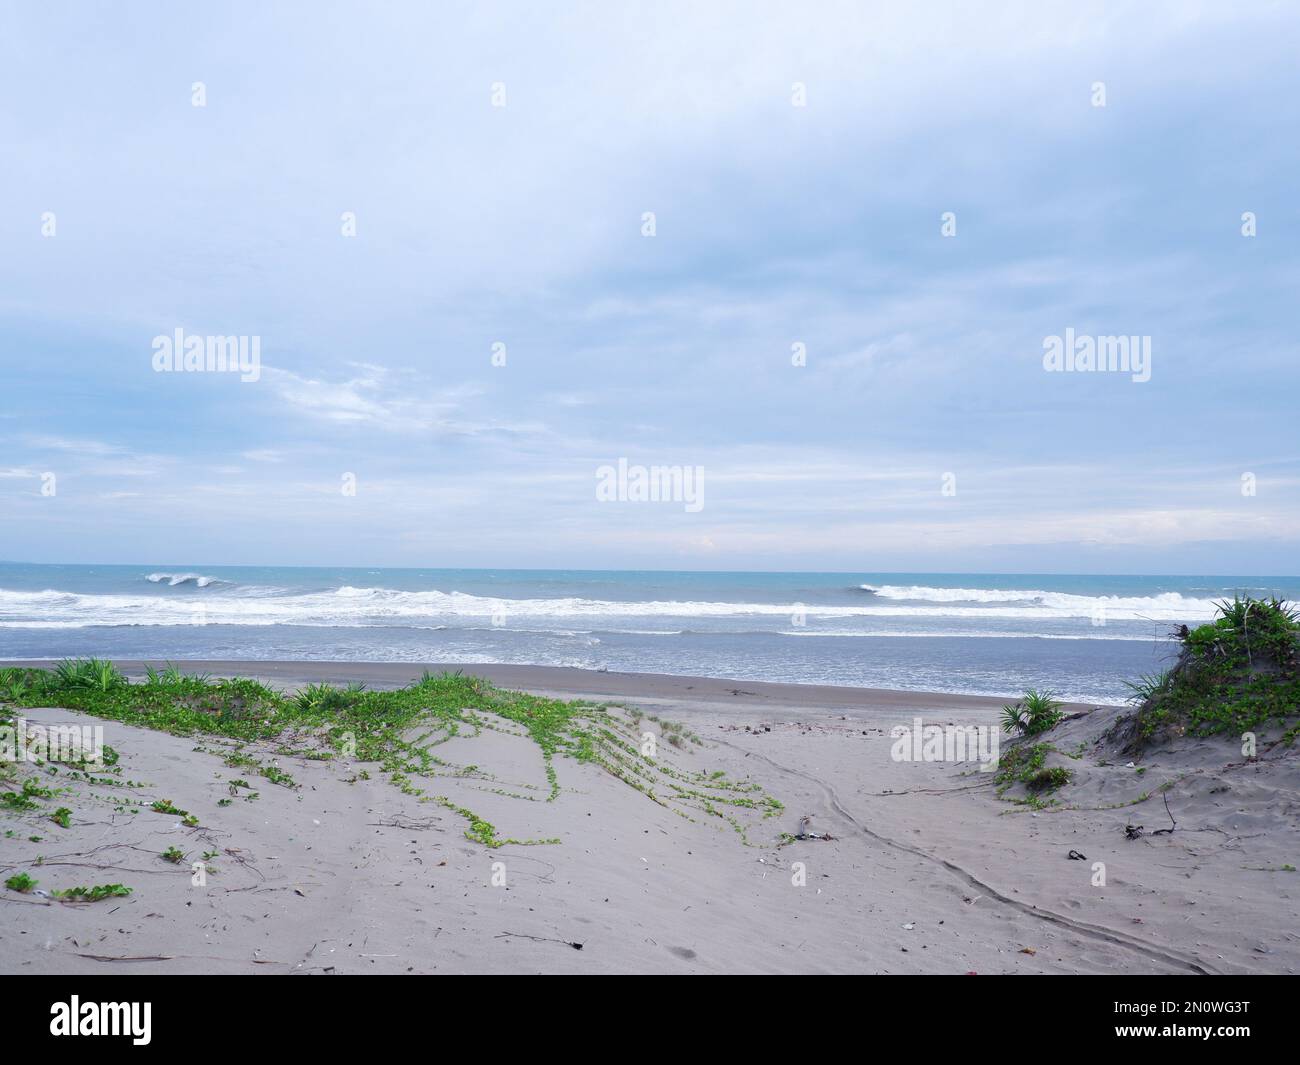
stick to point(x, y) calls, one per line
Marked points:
point(928, 870)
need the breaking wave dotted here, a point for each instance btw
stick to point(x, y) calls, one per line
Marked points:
point(351, 606)
point(1169, 606)
point(173, 579)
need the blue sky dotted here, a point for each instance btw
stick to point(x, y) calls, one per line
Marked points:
point(775, 224)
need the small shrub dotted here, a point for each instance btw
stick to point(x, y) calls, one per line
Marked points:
point(1037, 712)
point(93, 673)
point(1027, 764)
point(1048, 779)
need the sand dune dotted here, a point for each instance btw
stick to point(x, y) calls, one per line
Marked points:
point(927, 871)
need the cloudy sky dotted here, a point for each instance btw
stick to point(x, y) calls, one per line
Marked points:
point(126, 212)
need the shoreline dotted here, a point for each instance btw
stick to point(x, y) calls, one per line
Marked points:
point(576, 683)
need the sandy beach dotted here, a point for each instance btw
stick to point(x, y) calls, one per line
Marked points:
point(927, 869)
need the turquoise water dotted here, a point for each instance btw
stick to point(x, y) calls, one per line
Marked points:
point(1084, 636)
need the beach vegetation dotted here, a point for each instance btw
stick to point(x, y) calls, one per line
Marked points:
point(1150, 685)
point(397, 730)
point(1026, 764)
point(21, 882)
point(173, 678)
point(92, 894)
point(95, 674)
point(1036, 711)
point(324, 698)
point(25, 798)
point(1238, 673)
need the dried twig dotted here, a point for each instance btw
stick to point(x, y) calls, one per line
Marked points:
point(539, 939)
point(1166, 831)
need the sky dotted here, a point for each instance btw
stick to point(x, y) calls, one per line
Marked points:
point(918, 195)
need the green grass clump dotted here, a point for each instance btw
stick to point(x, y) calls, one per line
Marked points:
point(325, 699)
point(1027, 765)
point(1037, 712)
point(20, 882)
point(172, 677)
point(169, 700)
point(1048, 778)
point(1234, 674)
point(92, 674)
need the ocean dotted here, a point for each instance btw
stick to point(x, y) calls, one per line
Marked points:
point(991, 634)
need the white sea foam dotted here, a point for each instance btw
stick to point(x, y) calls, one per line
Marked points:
point(173, 579)
point(1096, 633)
point(351, 606)
point(1169, 606)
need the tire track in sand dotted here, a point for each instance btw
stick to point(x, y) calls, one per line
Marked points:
point(1097, 932)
